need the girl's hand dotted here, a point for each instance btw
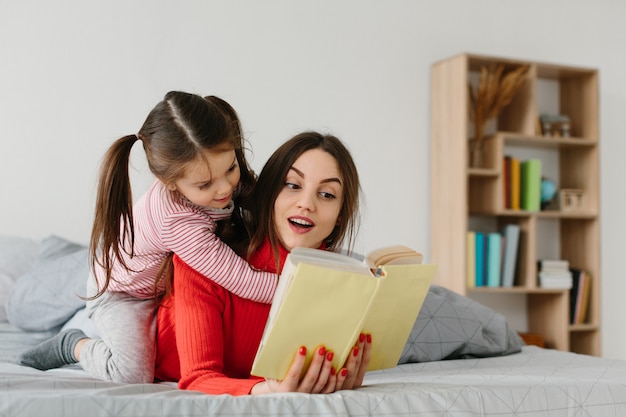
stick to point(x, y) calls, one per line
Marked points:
point(352, 374)
point(320, 377)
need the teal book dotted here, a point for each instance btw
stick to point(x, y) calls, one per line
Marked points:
point(531, 185)
point(480, 259)
point(511, 233)
point(494, 254)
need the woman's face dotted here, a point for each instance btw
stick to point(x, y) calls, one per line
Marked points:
point(307, 208)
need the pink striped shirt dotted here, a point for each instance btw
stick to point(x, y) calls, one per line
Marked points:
point(166, 222)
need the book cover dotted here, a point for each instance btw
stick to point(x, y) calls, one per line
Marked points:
point(584, 298)
point(480, 259)
point(470, 246)
point(531, 185)
point(325, 298)
point(506, 172)
point(515, 183)
point(493, 259)
point(511, 233)
point(574, 294)
point(553, 265)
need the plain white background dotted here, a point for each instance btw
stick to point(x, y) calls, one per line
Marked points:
point(76, 75)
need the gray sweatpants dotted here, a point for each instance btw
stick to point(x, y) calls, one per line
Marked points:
point(126, 352)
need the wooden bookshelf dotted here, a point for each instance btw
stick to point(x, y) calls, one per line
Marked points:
point(460, 194)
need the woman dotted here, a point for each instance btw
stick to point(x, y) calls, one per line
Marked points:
point(306, 195)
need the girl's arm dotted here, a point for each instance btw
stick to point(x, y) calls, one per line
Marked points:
point(192, 238)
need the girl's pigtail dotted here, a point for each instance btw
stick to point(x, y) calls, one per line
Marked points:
point(113, 228)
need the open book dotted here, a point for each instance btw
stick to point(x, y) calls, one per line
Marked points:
point(326, 298)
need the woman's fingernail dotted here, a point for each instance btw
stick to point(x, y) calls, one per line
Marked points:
point(361, 337)
point(355, 351)
point(369, 338)
point(302, 350)
point(332, 371)
point(344, 372)
point(329, 355)
point(322, 351)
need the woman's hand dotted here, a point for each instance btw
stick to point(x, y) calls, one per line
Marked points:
point(352, 374)
point(320, 377)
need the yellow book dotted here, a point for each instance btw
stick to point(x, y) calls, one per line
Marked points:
point(326, 298)
point(515, 184)
point(470, 258)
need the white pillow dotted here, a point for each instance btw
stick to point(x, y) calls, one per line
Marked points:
point(18, 255)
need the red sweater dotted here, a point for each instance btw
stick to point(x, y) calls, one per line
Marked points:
point(207, 337)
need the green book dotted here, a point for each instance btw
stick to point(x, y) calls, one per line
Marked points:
point(531, 185)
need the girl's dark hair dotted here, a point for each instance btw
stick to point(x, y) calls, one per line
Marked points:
point(175, 133)
point(272, 180)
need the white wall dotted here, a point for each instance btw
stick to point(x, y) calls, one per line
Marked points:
point(75, 75)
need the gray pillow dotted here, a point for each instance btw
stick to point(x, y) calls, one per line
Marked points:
point(451, 326)
point(49, 295)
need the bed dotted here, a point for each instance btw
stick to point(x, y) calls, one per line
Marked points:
point(461, 359)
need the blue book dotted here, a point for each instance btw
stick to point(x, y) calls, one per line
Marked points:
point(511, 242)
point(494, 254)
point(480, 259)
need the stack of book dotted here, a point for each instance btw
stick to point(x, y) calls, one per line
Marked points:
point(492, 257)
point(554, 273)
point(522, 184)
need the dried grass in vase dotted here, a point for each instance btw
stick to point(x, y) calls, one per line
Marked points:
point(495, 91)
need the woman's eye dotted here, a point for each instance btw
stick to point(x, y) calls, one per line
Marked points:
point(327, 195)
point(231, 169)
point(292, 186)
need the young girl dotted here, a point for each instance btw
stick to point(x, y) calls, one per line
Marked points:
point(194, 147)
point(306, 195)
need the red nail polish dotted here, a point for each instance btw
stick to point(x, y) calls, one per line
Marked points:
point(322, 351)
point(369, 338)
point(330, 355)
point(344, 372)
point(355, 351)
point(302, 350)
point(361, 337)
point(332, 371)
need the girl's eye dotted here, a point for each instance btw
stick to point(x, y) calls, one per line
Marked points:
point(232, 168)
point(327, 195)
point(292, 186)
point(205, 186)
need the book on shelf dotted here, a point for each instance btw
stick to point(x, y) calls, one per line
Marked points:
point(579, 295)
point(506, 172)
point(494, 256)
point(480, 259)
point(515, 183)
point(511, 233)
point(552, 265)
point(582, 317)
point(531, 185)
point(326, 298)
point(554, 273)
point(471, 259)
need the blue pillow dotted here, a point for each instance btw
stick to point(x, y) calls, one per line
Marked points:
point(49, 295)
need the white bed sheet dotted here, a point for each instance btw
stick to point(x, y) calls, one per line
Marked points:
point(535, 382)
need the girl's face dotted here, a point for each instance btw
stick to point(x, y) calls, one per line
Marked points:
point(209, 185)
point(307, 208)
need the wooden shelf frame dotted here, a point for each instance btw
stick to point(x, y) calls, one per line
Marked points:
point(459, 192)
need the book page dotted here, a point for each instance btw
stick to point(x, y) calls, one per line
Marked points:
point(394, 311)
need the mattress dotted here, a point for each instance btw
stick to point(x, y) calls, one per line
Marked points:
point(534, 382)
